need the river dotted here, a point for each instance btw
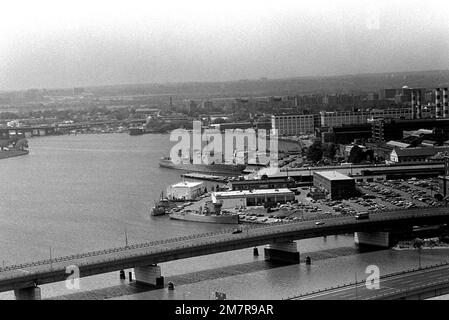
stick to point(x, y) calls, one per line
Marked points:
point(81, 192)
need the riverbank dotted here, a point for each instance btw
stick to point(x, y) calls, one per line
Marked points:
point(429, 243)
point(12, 153)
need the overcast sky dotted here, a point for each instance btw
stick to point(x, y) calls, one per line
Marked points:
point(65, 43)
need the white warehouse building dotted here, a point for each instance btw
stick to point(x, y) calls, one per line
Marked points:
point(185, 190)
point(246, 198)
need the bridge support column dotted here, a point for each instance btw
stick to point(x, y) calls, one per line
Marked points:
point(377, 239)
point(282, 252)
point(31, 293)
point(149, 275)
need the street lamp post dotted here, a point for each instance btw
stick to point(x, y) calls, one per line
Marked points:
point(417, 244)
point(419, 258)
point(51, 261)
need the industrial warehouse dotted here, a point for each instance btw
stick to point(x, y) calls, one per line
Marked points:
point(335, 184)
point(247, 198)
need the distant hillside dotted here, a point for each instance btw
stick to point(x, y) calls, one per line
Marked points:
point(272, 87)
point(291, 86)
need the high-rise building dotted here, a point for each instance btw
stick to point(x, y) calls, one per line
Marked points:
point(78, 91)
point(207, 105)
point(293, 125)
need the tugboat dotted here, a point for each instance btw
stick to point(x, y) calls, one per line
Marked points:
point(160, 208)
point(164, 205)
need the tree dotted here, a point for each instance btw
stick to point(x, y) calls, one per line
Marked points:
point(329, 150)
point(219, 120)
point(315, 152)
point(356, 155)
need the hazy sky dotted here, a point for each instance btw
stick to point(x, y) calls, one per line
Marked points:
point(66, 43)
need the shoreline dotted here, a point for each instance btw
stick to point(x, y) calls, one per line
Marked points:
point(423, 248)
point(13, 153)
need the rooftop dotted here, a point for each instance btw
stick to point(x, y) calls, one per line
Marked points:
point(202, 176)
point(237, 193)
point(399, 144)
point(187, 184)
point(261, 181)
point(333, 175)
point(415, 152)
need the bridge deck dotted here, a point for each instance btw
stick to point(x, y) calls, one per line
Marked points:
point(91, 263)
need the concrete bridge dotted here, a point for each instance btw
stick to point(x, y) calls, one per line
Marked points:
point(144, 257)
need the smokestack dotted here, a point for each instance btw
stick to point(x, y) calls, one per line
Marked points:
point(438, 111)
point(413, 104)
point(445, 103)
point(418, 104)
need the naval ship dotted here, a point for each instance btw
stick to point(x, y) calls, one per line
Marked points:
point(196, 216)
point(214, 168)
point(186, 164)
point(211, 213)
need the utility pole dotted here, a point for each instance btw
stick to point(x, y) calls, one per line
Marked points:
point(356, 297)
point(419, 258)
point(126, 238)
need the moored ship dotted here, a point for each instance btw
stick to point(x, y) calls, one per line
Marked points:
point(10, 149)
point(12, 153)
point(211, 213)
point(215, 168)
point(161, 208)
point(164, 205)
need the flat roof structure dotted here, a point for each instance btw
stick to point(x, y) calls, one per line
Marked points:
point(333, 175)
point(186, 184)
point(201, 176)
point(259, 192)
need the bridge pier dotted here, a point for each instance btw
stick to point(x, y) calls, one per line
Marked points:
point(377, 239)
point(31, 293)
point(282, 252)
point(149, 275)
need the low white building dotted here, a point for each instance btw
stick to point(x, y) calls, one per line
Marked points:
point(245, 198)
point(185, 190)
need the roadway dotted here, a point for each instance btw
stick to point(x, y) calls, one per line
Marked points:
point(408, 284)
point(356, 170)
point(144, 254)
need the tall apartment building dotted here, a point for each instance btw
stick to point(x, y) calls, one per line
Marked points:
point(293, 124)
point(207, 105)
point(341, 118)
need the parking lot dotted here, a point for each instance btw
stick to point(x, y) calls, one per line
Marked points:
point(374, 197)
point(404, 193)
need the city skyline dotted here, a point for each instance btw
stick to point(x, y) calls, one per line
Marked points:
point(54, 45)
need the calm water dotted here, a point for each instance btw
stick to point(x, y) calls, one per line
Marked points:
point(78, 193)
